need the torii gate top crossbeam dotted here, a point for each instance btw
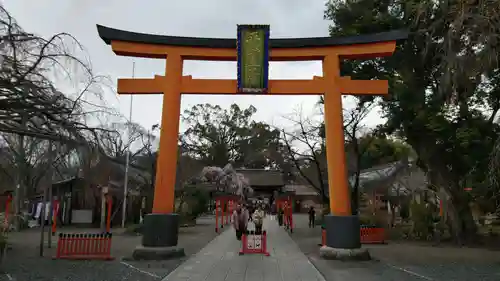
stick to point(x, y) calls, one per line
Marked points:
point(134, 44)
point(159, 46)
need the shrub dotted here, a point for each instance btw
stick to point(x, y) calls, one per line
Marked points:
point(191, 203)
point(371, 220)
point(423, 220)
point(134, 229)
point(404, 212)
point(399, 232)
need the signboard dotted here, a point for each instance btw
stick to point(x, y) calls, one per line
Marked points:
point(254, 242)
point(253, 58)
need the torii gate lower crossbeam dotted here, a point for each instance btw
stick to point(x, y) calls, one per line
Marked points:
point(161, 227)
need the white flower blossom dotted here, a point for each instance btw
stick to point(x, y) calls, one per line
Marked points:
point(228, 180)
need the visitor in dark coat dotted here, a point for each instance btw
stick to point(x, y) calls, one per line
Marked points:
point(312, 217)
point(240, 220)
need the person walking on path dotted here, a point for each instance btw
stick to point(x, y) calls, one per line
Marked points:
point(251, 208)
point(240, 220)
point(281, 214)
point(258, 219)
point(273, 211)
point(312, 217)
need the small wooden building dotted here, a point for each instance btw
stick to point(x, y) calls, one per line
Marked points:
point(305, 196)
point(264, 182)
point(80, 196)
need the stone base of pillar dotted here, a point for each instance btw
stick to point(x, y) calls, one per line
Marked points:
point(343, 240)
point(159, 238)
point(359, 254)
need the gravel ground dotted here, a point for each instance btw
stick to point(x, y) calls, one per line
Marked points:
point(401, 261)
point(22, 262)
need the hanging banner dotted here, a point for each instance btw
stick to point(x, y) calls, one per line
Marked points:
point(253, 58)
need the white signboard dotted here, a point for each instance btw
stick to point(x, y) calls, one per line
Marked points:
point(254, 242)
point(257, 241)
point(81, 216)
point(250, 242)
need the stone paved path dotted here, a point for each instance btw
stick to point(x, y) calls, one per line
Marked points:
point(219, 261)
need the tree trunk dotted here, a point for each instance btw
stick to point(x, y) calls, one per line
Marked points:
point(355, 194)
point(19, 193)
point(462, 222)
point(393, 214)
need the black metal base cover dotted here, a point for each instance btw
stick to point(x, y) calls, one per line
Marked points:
point(342, 232)
point(160, 230)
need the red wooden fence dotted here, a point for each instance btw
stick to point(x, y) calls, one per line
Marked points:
point(372, 235)
point(84, 246)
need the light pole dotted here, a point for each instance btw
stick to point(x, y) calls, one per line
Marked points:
point(127, 155)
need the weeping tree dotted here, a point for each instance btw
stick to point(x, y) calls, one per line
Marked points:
point(32, 107)
point(30, 103)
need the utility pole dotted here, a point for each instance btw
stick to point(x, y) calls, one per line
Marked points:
point(50, 213)
point(42, 219)
point(52, 156)
point(104, 190)
point(47, 189)
point(127, 155)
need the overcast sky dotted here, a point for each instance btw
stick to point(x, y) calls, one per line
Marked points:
point(201, 18)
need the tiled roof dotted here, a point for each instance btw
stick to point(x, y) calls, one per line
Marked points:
point(379, 173)
point(381, 176)
point(262, 177)
point(395, 177)
point(304, 190)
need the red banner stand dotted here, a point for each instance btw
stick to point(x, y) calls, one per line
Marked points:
point(323, 236)
point(84, 246)
point(252, 243)
point(109, 201)
point(55, 211)
point(7, 210)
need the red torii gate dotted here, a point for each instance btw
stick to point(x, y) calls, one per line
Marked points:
point(224, 207)
point(252, 50)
